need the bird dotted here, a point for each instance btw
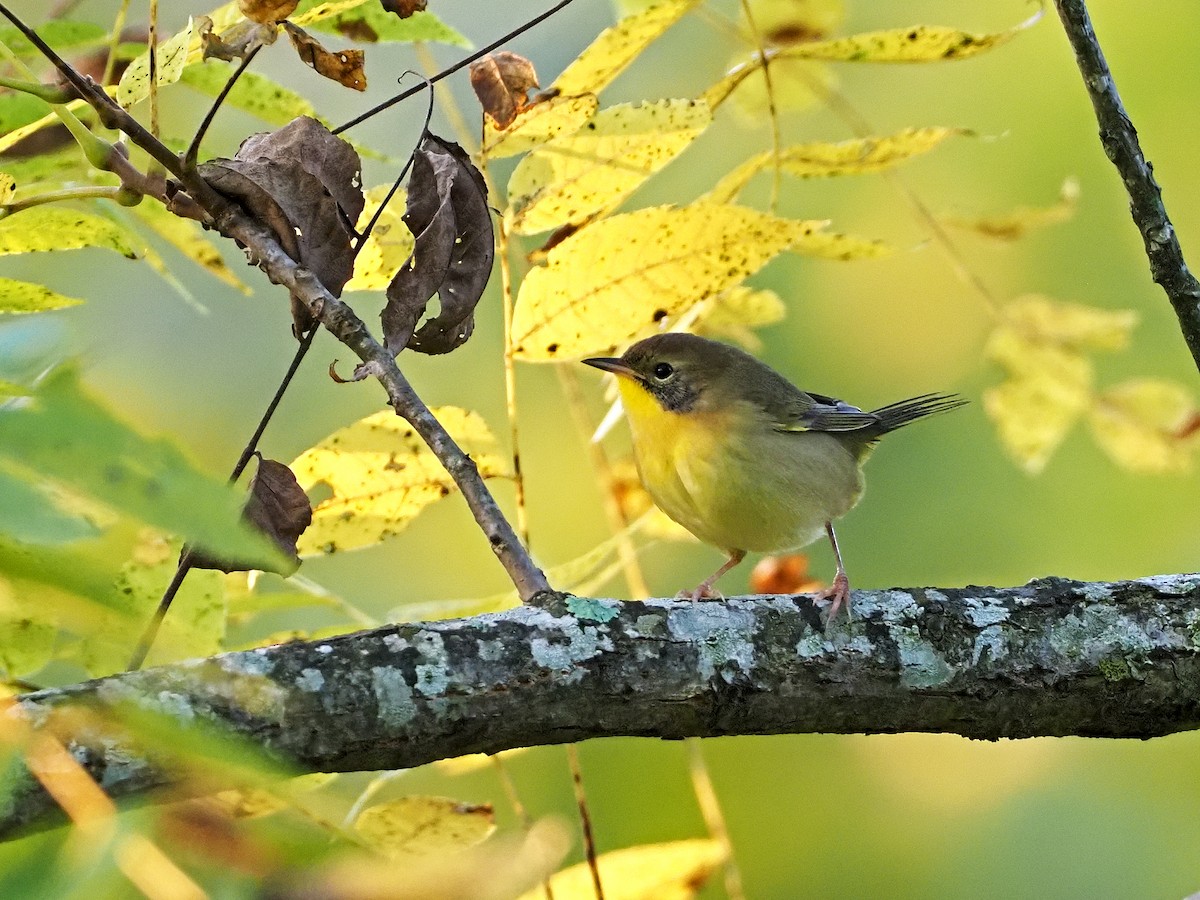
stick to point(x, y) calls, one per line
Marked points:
point(742, 458)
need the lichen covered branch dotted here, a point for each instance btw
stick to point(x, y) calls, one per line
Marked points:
point(1120, 141)
point(1055, 657)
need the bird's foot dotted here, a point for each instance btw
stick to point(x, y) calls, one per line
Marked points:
point(838, 594)
point(704, 591)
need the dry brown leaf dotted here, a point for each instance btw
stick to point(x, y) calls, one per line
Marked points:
point(343, 66)
point(404, 8)
point(267, 11)
point(502, 82)
point(235, 42)
point(450, 220)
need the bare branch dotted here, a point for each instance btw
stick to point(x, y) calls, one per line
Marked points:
point(1055, 657)
point(1120, 142)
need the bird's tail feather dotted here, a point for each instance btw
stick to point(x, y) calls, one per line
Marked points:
point(897, 415)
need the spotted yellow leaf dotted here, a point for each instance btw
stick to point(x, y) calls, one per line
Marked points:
point(8, 187)
point(189, 238)
point(1070, 325)
point(918, 43)
point(27, 297)
point(579, 176)
point(420, 826)
point(824, 159)
point(609, 281)
point(733, 314)
point(1143, 425)
point(796, 84)
point(381, 475)
point(835, 245)
point(537, 124)
point(670, 871)
point(389, 245)
point(1017, 223)
point(45, 228)
point(616, 47)
point(171, 57)
point(798, 21)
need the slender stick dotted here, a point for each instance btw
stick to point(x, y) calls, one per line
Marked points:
point(714, 818)
point(1120, 142)
point(152, 56)
point(193, 150)
point(462, 63)
point(772, 108)
point(110, 64)
point(585, 819)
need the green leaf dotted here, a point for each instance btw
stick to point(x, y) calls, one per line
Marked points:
point(368, 21)
point(18, 110)
point(44, 228)
point(30, 514)
point(172, 55)
point(61, 34)
point(65, 435)
point(254, 93)
point(190, 239)
point(26, 297)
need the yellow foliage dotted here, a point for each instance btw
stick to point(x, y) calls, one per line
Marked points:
point(796, 84)
point(1016, 224)
point(382, 474)
point(46, 228)
point(171, 57)
point(796, 21)
point(731, 315)
point(8, 187)
point(536, 124)
point(1145, 425)
point(616, 47)
point(669, 871)
point(823, 159)
point(389, 245)
point(188, 237)
point(918, 43)
point(421, 826)
point(1073, 326)
point(576, 177)
point(611, 280)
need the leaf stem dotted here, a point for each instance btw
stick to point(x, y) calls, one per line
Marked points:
point(110, 64)
point(91, 192)
point(585, 819)
point(772, 107)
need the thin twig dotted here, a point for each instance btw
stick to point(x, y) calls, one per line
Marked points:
point(462, 63)
point(1120, 142)
point(152, 56)
point(146, 641)
point(714, 817)
point(772, 109)
point(193, 150)
point(110, 64)
point(87, 192)
point(585, 819)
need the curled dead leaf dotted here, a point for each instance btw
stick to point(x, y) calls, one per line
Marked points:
point(267, 11)
point(343, 66)
point(305, 184)
point(448, 215)
point(235, 42)
point(502, 82)
point(404, 8)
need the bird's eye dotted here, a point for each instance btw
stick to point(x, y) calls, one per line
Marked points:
point(663, 371)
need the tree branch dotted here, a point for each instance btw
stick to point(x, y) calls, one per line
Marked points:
point(1120, 142)
point(1054, 657)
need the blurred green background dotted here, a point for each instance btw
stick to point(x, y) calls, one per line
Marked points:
point(829, 816)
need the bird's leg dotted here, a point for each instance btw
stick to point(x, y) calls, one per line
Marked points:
point(705, 589)
point(839, 591)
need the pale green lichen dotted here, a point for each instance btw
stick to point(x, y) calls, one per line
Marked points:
point(579, 644)
point(1096, 632)
point(310, 680)
point(393, 695)
point(490, 651)
point(985, 611)
point(720, 635)
point(1114, 668)
point(888, 605)
point(921, 666)
point(813, 645)
point(992, 641)
point(591, 610)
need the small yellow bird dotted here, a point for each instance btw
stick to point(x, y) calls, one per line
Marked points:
point(742, 458)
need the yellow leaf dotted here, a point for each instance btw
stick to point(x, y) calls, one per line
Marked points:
point(473, 762)
point(537, 124)
point(1142, 425)
point(420, 826)
point(382, 475)
point(846, 247)
point(8, 187)
point(611, 280)
point(389, 245)
point(44, 228)
point(1070, 325)
point(254, 802)
point(822, 159)
point(577, 177)
point(796, 84)
point(172, 55)
point(668, 871)
point(616, 47)
point(189, 238)
point(1015, 224)
point(26, 297)
point(796, 21)
point(1047, 390)
point(919, 43)
point(730, 315)
point(11, 138)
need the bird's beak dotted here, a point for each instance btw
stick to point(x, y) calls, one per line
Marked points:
point(611, 364)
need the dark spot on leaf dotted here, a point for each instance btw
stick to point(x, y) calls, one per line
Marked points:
point(552, 349)
point(659, 315)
